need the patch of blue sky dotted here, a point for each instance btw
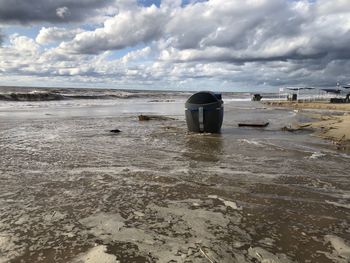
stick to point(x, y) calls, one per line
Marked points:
point(187, 2)
point(157, 3)
point(148, 3)
point(28, 31)
point(88, 27)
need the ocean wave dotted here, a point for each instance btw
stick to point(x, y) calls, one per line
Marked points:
point(53, 96)
point(101, 97)
point(31, 96)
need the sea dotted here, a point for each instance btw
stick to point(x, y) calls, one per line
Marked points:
point(73, 191)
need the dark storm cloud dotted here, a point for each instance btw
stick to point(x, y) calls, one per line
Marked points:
point(34, 11)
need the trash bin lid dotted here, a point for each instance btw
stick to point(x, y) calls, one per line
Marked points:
point(204, 97)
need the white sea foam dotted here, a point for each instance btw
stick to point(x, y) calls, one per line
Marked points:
point(96, 255)
point(231, 204)
point(341, 248)
point(237, 99)
point(265, 256)
point(252, 142)
point(338, 204)
point(177, 216)
point(9, 247)
point(104, 224)
point(316, 155)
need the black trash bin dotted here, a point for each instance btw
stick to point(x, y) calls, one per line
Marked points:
point(204, 112)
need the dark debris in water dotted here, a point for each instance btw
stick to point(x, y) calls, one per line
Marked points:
point(154, 117)
point(115, 131)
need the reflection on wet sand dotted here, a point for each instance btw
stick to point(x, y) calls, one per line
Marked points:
point(203, 147)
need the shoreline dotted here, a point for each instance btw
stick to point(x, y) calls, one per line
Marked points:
point(317, 105)
point(328, 125)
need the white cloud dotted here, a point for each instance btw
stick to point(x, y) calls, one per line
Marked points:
point(24, 45)
point(251, 30)
point(55, 34)
point(63, 12)
point(326, 7)
point(128, 28)
point(137, 54)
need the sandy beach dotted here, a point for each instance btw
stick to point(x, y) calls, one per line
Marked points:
point(72, 191)
point(319, 105)
point(333, 123)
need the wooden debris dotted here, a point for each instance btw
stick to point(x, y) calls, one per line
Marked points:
point(153, 117)
point(206, 256)
point(303, 127)
point(144, 118)
point(256, 125)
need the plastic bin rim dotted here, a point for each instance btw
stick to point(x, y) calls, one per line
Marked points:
point(213, 94)
point(208, 105)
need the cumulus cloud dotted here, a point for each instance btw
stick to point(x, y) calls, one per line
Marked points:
point(79, 68)
point(23, 56)
point(24, 45)
point(220, 30)
point(55, 34)
point(137, 54)
point(255, 31)
point(128, 28)
point(63, 12)
point(19, 56)
point(58, 11)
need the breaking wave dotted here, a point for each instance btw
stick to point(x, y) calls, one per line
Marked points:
point(31, 96)
point(50, 96)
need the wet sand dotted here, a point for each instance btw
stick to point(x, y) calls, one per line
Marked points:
point(332, 124)
point(73, 192)
point(320, 105)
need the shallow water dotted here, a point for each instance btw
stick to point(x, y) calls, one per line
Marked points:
point(74, 192)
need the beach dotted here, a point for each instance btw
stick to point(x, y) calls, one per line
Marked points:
point(320, 105)
point(332, 122)
point(72, 191)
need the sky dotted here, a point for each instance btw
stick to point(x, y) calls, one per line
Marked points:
point(222, 45)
